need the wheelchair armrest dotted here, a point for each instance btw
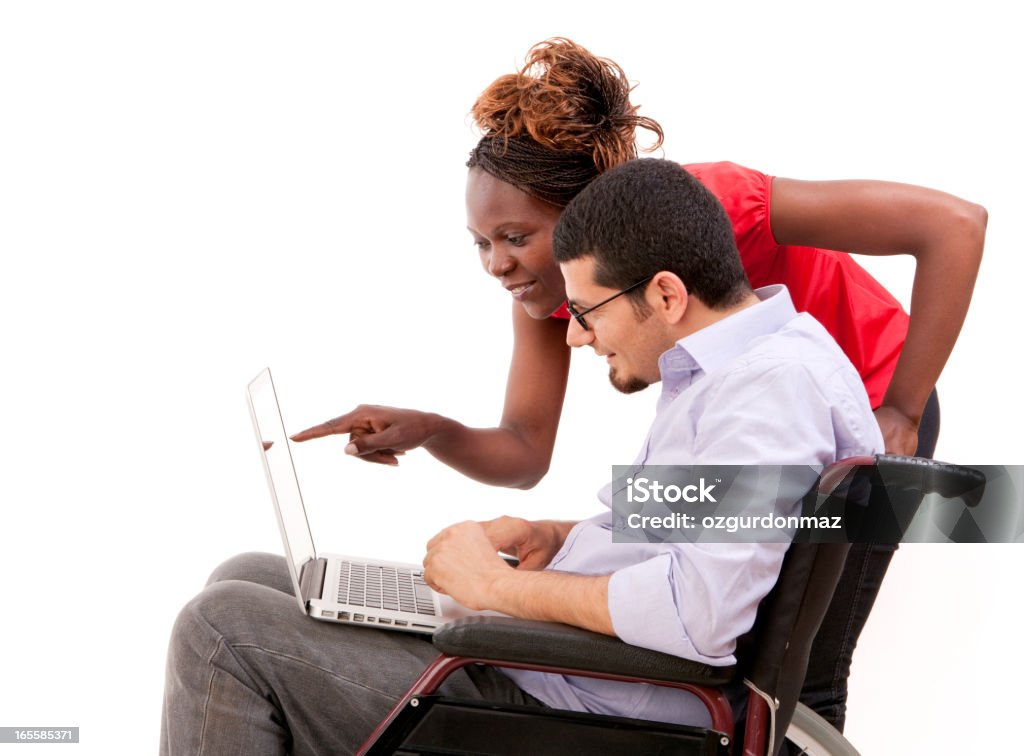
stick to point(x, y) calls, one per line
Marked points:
point(916, 476)
point(928, 476)
point(556, 645)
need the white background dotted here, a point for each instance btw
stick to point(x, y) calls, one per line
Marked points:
point(190, 191)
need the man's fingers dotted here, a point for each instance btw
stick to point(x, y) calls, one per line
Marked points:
point(532, 561)
point(506, 533)
point(431, 544)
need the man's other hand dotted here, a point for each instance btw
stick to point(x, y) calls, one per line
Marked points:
point(534, 544)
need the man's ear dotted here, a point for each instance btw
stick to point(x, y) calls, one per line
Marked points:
point(667, 294)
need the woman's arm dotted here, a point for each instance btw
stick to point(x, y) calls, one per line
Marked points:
point(516, 454)
point(946, 236)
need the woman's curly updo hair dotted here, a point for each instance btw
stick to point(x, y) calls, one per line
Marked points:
point(562, 119)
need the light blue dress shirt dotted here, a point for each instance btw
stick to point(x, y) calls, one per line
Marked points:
point(765, 386)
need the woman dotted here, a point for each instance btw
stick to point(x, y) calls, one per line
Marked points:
point(565, 117)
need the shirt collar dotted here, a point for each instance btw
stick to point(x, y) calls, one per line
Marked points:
point(711, 347)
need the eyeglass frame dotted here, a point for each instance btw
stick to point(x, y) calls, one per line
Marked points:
point(578, 316)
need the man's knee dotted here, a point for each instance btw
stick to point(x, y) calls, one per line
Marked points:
point(193, 627)
point(220, 615)
point(253, 567)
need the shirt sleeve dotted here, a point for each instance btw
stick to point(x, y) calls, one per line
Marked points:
point(695, 599)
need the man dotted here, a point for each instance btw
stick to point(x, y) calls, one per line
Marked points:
point(655, 285)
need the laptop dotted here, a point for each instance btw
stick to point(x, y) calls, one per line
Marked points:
point(351, 590)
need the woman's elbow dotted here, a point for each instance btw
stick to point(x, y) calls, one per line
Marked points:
point(532, 477)
point(528, 461)
point(971, 221)
point(954, 235)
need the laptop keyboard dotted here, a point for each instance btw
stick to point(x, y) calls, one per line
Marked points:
point(380, 587)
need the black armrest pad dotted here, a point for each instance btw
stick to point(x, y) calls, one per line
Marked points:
point(930, 476)
point(554, 644)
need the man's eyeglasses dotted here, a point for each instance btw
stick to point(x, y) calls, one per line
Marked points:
point(579, 315)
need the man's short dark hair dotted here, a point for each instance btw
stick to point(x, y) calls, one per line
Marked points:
point(650, 215)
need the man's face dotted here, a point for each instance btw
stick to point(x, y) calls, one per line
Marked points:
point(630, 342)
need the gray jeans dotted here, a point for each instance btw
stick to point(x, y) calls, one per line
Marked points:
point(249, 674)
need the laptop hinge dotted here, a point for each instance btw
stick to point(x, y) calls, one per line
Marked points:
point(311, 579)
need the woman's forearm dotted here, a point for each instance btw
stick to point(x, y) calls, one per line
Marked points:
point(945, 235)
point(496, 456)
point(947, 266)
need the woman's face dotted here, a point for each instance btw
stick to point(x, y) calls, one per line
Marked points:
point(512, 231)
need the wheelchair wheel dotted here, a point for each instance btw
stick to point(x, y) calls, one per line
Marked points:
point(811, 735)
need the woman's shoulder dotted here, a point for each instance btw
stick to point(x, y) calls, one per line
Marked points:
point(727, 175)
point(746, 196)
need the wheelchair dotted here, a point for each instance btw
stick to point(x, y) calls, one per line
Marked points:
point(878, 497)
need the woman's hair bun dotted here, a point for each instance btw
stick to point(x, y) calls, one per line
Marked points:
point(566, 99)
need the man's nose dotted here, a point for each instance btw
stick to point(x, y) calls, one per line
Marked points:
point(576, 335)
point(500, 263)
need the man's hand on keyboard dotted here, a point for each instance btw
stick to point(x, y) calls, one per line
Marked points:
point(463, 562)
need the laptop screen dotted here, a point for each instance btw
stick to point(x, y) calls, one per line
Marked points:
point(280, 469)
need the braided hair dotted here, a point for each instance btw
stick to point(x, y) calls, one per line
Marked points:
point(553, 126)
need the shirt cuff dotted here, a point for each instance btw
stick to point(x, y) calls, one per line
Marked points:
point(643, 610)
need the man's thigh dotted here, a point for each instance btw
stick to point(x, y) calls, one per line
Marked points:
point(316, 687)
